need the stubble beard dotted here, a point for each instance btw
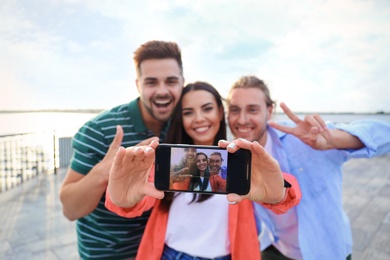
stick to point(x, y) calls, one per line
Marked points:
point(151, 112)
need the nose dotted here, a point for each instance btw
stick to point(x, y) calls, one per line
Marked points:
point(242, 119)
point(199, 117)
point(162, 89)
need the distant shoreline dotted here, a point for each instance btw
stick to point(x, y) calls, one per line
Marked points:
point(98, 110)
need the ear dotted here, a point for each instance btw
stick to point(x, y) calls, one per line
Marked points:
point(270, 111)
point(137, 83)
point(221, 114)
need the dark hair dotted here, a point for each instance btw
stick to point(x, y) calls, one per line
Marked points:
point(177, 135)
point(216, 153)
point(195, 180)
point(157, 50)
point(252, 82)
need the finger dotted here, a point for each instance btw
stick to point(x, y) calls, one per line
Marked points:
point(134, 154)
point(243, 143)
point(258, 149)
point(321, 121)
point(148, 141)
point(313, 134)
point(149, 155)
point(311, 119)
point(234, 198)
point(289, 113)
point(120, 154)
point(118, 137)
point(283, 128)
point(232, 147)
point(223, 143)
point(150, 190)
point(154, 144)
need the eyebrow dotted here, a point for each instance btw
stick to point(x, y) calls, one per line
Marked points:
point(204, 105)
point(168, 78)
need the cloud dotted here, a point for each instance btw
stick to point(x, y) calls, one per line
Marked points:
point(315, 55)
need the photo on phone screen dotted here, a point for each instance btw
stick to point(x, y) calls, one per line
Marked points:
point(202, 169)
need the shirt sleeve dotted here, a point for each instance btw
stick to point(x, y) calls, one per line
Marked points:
point(292, 196)
point(144, 205)
point(373, 133)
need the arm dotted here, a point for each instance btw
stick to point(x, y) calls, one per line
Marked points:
point(181, 185)
point(79, 193)
point(180, 175)
point(314, 132)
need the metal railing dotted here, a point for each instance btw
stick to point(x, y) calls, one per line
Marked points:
point(25, 156)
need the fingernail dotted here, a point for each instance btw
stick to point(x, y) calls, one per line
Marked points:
point(147, 149)
point(231, 145)
point(136, 148)
point(232, 202)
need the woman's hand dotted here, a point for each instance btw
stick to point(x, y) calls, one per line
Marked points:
point(267, 183)
point(128, 178)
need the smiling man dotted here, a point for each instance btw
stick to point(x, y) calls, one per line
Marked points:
point(101, 233)
point(215, 161)
point(314, 152)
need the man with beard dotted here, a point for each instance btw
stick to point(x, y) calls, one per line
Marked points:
point(101, 233)
point(314, 152)
point(215, 161)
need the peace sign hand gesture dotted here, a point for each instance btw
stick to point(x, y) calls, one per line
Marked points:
point(312, 130)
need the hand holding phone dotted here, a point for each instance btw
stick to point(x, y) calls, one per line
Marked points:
point(128, 179)
point(267, 182)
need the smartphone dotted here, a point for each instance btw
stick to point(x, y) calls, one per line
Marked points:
point(202, 169)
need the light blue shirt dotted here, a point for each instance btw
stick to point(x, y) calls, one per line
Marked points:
point(323, 227)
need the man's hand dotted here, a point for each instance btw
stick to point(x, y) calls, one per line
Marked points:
point(148, 141)
point(180, 175)
point(312, 130)
point(105, 164)
point(267, 183)
point(128, 178)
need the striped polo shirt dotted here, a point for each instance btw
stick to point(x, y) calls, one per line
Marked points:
point(103, 234)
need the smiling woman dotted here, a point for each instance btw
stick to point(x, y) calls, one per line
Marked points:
point(202, 119)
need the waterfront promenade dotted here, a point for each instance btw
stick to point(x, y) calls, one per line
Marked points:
point(33, 227)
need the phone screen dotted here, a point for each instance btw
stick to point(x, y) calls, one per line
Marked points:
point(201, 169)
point(195, 169)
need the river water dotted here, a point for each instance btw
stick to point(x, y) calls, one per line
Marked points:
point(66, 124)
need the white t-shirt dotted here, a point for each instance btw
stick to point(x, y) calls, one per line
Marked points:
point(199, 229)
point(208, 186)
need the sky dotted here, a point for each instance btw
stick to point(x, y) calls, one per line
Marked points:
point(314, 55)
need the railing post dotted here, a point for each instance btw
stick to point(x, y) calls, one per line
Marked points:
point(54, 152)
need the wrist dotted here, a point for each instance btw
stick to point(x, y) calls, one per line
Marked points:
point(285, 193)
point(101, 174)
